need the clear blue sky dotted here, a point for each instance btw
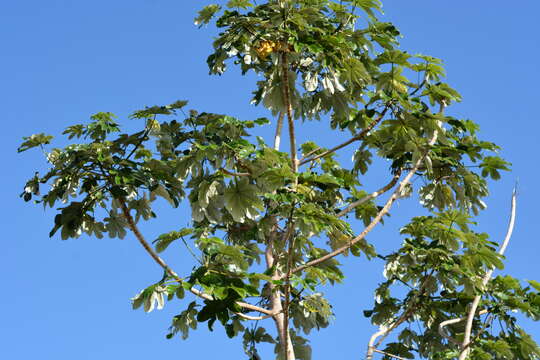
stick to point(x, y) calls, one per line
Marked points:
point(61, 61)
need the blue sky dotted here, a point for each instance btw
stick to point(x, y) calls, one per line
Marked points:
point(62, 61)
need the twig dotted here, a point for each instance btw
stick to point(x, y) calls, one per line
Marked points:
point(419, 86)
point(371, 196)
point(388, 354)
point(383, 333)
point(309, 154)
point(225, 171)
point(133, 227)
point(143, 138)
point(472, 312)
point(350, 141)
point(342, 25)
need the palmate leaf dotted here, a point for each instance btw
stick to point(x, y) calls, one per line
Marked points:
point(184, 321)
point(368, 6)
point(534, 284)
point(242, 201)
point(164, 240)
point(242, 4)
point(206, 14)
point(151, 297)
point(33, 141)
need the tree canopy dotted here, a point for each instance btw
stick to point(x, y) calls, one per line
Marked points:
point(268, 227)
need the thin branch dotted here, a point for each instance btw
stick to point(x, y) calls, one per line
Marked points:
point(256, 318)
point(360, 136)
point(472, 312)
point(419, 86)
point(383, 333)
point(371, 196)
point(279, 127)
point(487, 323)
point(444, 324)
point(371, 343)
point(309, 154)
point(342, 25)
point(225, 171)
point(133, 227)
point(404, 317)
point(388, 354)
point(395, 195)
point(143, 138)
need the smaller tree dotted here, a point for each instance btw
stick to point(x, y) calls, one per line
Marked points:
point(268, 226)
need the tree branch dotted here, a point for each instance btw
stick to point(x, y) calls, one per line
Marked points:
point(444, 333)
point(309, 154)
point(472, 312)
point(388, 354)
point(371, 343)
point(383, 333)
point(371, 196)
point(350, 141)
point(279, 127)
point(227, 172)
point(133, 227)
point(395, 195)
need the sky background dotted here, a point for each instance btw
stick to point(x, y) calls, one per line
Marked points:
point(61, 61)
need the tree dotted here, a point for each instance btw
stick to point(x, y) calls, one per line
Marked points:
point(269, 226)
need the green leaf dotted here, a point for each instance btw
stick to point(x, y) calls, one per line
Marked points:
point(164, 240)
point(150, 112)
point(491, 165)
point(177, 105)
point(243, 4)
point(368, 6)
point(33, 141)
point(151, 297)
point(206, 14)
point(184, 321)
point(242, 201)
point(534, 284)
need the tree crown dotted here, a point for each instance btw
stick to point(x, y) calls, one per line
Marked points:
point(267, 226)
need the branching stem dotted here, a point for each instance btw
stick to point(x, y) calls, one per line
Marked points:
point(444, 324)
point(230, 173)
point(371, 196)
point(288, 109)
point(388, 354)
point(360, 136)
point(289, 233)
point(383, 333)
point(395, 195)
point(465, 345)
point(133, 227)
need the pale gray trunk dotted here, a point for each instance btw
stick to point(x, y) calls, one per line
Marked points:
point(285, 343)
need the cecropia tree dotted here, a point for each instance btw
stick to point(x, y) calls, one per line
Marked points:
point(269, 221)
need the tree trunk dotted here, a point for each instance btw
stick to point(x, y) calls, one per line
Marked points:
point(285, 343)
